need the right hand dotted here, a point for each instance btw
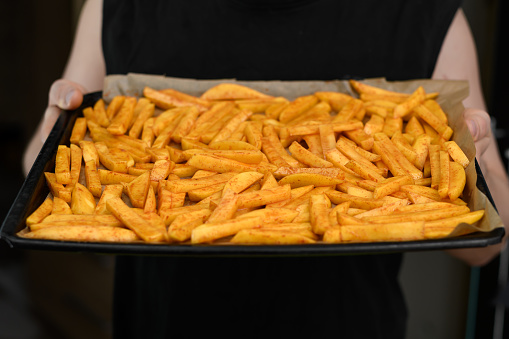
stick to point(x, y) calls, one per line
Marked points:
point(63, 95)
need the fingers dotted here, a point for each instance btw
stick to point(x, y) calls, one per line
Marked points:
point(66, 94)
point(479, 124)
point(63, 94)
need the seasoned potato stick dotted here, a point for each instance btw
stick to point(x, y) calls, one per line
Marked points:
point(457, 180)
point(391, 185)
point(92, 179)
point(213, 231)
point(60, 207)
point(137, 126)
point(297, 107)
point(182, 226)
point(82, 201)
point(89, 151)
point(137, 190)
point(418, 216)
point(185, 185)
point(134, 221)
point(355, 202)
point(457, 153)
point(226, 208)
point(403, 231)
point(364, 172)
point(84, 233)
point(263, 197)
point(121, 122)
point(272, 215)
point(404, 108)
point(114, 106)
point(336, 173)
point(79, 130)
point(62, 165)
point(306, 157)
point(242, 181)
point(272, 154)
point(230, 91)
point(314, 146)
point(443, 185)
point(443, 227)
point(442, 128)
point(319, 206)
point(305, 179)
point(295, 193)
point(41, 212)
point(272, 237)
point(336, 100)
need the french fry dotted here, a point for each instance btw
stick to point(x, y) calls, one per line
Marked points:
point(391, 185)
point(307, 179)
point(242, 181)
point(134, 221)
point(78, 219)
point(182, 226)
point(62, 165)
point(226, 208)
point(41, 212)
point(92, 179)
point(306, 157)
point(82, 201)
point(60, 207)
point(403, 231)
point(84, 233)
point(79, 130)
point(272, 215)
point(356, 202)
point(263, 197)
point(108, 192)
point(297, 107)
point(271, 237)
point(404, 108)
point(457, 180)
point(121, 122)
point(230, 91)
point(457, 153)
point(443, 185)
point(114, 106)
point(210, 232)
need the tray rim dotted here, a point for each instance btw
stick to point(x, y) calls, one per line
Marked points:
point(34, 182)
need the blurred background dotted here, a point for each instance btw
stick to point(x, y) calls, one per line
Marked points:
point(68, 295)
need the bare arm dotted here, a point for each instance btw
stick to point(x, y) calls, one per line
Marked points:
point(83, 73)
point(458, 60)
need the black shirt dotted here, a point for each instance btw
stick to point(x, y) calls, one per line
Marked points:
point(318, 297)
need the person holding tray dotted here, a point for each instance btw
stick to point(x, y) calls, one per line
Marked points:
point(355, 296)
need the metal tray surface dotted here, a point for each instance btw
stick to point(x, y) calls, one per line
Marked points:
point(34, 190)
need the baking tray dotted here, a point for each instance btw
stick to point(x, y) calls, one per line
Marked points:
point(34, 190)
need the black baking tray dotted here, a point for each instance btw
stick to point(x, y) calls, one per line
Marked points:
point(34, 190)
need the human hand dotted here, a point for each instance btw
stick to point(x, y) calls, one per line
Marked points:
point(479, 124)
point(63, 94)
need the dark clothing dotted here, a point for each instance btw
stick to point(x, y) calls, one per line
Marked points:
point(320, 297)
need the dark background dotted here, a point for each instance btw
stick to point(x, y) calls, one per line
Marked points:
point(56, 295)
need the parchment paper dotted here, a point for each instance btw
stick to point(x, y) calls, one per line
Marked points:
point(451, 95)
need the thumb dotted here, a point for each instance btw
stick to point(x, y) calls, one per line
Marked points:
point(66, 94)
point(63, 94)
point(479, 124)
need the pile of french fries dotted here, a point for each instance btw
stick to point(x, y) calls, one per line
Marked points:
point(239, 166)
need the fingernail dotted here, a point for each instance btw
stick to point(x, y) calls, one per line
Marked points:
point(472, 126)
point(68, 98)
